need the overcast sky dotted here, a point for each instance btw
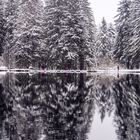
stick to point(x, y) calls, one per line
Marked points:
point(104, 8)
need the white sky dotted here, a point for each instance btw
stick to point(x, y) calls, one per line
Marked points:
point(102, 130)
point(104, 8)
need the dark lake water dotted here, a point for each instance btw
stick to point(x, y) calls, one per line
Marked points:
point(69, 107)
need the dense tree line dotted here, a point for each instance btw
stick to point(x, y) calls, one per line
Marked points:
point(69, 33)
point(10, 19)
point(61, 34)
point(123, 44)
point(127, 48)
point(104, 44)
point(58, 35)
point(124, 48)
point(24, 31)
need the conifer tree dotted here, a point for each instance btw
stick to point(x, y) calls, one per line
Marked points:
point(105, 39)
point(112, 37)
point(2, 28)
point(104, 42)
point(10, 18)
point(133, 52)
point(69, 33)
point(123, 31)
point(27, 41)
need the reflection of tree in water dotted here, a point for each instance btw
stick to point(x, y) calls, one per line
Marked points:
point(57, 107)
point(127, 101)
point(121, 97)
point(102, 94)
point(3, 110)
point(60, 106)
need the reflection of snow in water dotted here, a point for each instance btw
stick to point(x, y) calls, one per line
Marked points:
point(55, 106)
point(102, 130)
point(43, 137)
point(108, 71)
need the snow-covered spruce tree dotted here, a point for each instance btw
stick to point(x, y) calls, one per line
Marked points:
point(53, 14)
point(104, 40)
point(123, 31)
point(27, 41)
point(133, 52)
point(112, 37)
point(91, 31)
point(104, 44)
point(2, 28)
point(10, 18)
point(68, 33)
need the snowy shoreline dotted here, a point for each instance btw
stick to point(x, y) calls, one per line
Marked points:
point(121, 71)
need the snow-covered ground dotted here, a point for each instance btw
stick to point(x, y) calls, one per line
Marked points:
point(3, 68)
point(113, 70)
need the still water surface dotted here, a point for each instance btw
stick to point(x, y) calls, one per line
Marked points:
point(69, 107)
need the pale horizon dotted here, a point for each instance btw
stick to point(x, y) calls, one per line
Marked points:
point(106, 9)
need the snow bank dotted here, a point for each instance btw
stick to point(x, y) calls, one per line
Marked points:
point(99, 71)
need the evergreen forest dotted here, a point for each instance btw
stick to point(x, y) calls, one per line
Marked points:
point(62, 34)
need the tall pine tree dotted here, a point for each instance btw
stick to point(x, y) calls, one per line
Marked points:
point(105, 39)
point(10, 19)
point(133, 52)
point(69, 33)
point(123, 32)
point(27, 41)
point(2, 28)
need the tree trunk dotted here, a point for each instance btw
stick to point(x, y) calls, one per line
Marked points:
point(81, 61)
point(127, 64)
point(81, 81)
point(69, 64)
